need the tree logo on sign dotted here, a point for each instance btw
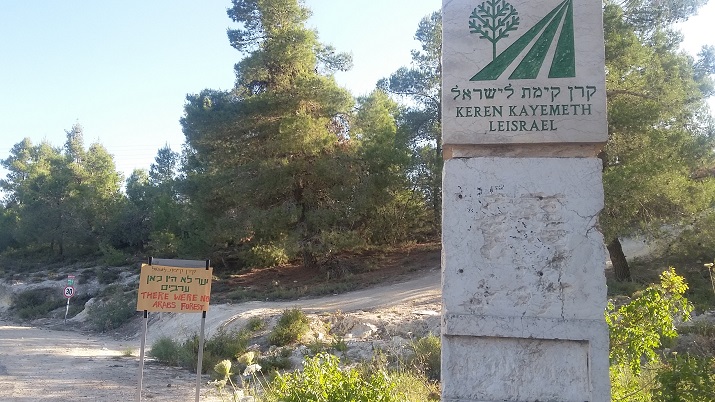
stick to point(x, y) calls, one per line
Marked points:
point(494, 19)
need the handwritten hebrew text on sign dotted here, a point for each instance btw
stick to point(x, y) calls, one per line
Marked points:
point(171, 289)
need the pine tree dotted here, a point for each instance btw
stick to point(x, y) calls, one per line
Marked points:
point(267, 160)
point(659, 134)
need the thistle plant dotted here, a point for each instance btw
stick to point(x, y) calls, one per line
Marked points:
point(223, 369)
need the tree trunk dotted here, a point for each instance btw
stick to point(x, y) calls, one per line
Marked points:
point(306, 235)
point(618, 259)
point(309, 260)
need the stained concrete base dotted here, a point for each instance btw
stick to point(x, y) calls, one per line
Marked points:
point(523, 282)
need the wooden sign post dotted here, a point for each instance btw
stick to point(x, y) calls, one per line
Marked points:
point(174, 286)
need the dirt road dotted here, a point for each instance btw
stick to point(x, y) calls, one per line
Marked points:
point(43, 364)
point(50, 365)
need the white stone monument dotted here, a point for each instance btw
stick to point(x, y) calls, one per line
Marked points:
point(524, 115)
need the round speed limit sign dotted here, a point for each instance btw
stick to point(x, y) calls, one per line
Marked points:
point(69, 291)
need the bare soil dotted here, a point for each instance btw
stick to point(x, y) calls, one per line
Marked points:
point(339, 273)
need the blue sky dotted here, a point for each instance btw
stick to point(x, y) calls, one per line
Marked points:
point(122, 69)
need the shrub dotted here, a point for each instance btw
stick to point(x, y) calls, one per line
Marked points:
point(427, 356)
point(638, 328)
point(292, 325)
point(322, 380)
point(255, 324)
point(116, 309)
point(415, 387)
point(630, 387)
point(164, 244)
point(686, 378)
point(276, 359)
point(228, 344)
point(36, 303)
point(111, 256)
point(106, 276)
point(265, 255)
point(223, 345)
point(167, 351)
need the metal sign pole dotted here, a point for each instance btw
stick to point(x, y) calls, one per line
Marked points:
point(141, 351)
point(201, 347)
point(67, 310)
point(201, 356)
point(69, 292)
point(141, 357)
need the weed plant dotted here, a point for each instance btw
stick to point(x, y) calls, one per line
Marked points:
point(113, 311)
point(427, 356)
point(686, 378)
point(292, 325)
point(275, 359)
point(223, 345)
point(322, 380)
point(255, 324)
point(168, 351)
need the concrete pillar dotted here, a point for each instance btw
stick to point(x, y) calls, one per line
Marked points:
point(523, 281)
point(523, 118)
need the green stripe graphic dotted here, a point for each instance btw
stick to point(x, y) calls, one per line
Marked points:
point(563, 65)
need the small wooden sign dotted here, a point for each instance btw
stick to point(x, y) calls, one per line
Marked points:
point(172, 289)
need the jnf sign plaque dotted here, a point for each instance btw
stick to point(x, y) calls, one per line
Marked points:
point(521, 72)
point(171, 289)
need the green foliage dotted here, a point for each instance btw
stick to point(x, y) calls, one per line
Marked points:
point(338, 344)
point(265, 255)
point(391, 211)
point(420, 121)
point(113, 311)
point(106, 276)
point(660, 132)
point(60, 201)
point(111, 256)
point(168, 351)
point(427, 356)
point(271, 159)
point(292, 325)
point(316, 346)
point(686, 379)
point(255, 324)
point(415, 387)
point(323, 380)
point(224, 344)
point(164, 244)
point(36, 303)
point(633, 387)
point(275, 359)
point(638, 329)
